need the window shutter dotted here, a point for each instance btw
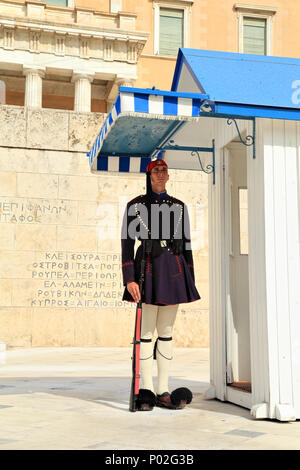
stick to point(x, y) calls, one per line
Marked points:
point(255, 36)
point(170, 31)
point(59, 3)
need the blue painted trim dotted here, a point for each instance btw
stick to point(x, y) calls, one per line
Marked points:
point(239, 111)
point(170, 106)
point(177, 74)
point(144, 163)
point(226, 116)
point(102, 164)
point(122, 155)
point(187, 149)
point(124, 164)
point(160, 155)
point(148, 91)
point(118, 104)
point(196, 107)
point(177, 71)
point(239, 56)
point(222, 110)
point(141, 103)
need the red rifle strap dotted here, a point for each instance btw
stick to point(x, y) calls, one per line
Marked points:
point(137, 351)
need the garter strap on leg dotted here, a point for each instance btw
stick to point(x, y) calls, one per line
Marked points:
point(156, 348)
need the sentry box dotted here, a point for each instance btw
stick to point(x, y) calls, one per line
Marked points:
point(232, 111)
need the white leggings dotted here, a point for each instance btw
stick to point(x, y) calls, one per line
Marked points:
point(161, 318)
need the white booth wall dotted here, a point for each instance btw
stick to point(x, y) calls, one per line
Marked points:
point(273, 267)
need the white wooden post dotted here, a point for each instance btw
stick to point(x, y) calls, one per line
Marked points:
point(275, 271)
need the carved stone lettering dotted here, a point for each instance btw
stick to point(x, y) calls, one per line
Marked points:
point(77, 280)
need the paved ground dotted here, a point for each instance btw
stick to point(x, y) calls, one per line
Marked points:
point(77, 398)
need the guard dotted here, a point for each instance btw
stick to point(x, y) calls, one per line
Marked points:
point(163, 222)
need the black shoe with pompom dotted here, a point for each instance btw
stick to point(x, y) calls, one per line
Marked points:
point(146, 400)
point(176, 400)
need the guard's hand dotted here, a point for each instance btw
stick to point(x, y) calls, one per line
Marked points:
point(133, 289)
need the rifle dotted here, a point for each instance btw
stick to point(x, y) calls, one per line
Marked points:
point(135, 383)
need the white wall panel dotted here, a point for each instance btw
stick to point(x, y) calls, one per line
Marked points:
point(257, 297)
point(279, 225)
point(274, 266)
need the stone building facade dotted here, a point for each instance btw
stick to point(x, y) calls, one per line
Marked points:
point(66, 58)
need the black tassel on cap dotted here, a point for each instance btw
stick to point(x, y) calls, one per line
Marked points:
point(148, 200)
point(148, 185)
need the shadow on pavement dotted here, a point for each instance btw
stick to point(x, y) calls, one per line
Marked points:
point(111, 392)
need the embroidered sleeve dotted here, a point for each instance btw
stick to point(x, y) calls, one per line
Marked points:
point(127, 247)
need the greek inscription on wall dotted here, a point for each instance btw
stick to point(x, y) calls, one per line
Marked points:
point(78, 280)
point(31, 211)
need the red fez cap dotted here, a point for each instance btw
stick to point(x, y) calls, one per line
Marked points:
point(155, 163)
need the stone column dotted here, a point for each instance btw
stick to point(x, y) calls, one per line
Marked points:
point(33, 86)
point(83, 92)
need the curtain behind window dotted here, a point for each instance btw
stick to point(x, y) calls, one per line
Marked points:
point(59, 3)
point(255, 36)
point(170, 31)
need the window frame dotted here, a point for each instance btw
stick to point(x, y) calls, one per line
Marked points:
point(268, 19)
point(70, 4)
point(184, 6)
point(255, 11)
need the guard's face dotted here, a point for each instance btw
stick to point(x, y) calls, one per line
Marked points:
point(159, 175)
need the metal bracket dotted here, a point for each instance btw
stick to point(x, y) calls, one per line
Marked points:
point(210, 168)
point(249, 139)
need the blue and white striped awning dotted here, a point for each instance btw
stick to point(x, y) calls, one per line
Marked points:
point(139, 123)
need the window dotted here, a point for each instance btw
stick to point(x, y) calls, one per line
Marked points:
point(170, 31)
point(59, 3)
point(171, 25)
point(255, 36)
point(255, 28)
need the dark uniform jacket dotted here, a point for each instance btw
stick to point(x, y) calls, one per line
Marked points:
point(169, 269)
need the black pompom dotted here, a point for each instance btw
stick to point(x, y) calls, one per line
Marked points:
point(146, 396)
point(179, 394)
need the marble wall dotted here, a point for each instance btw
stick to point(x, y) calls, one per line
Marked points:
point(60, 257)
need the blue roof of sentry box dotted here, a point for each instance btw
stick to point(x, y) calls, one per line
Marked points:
point(247, 79)
point(245, 86)
point(140, 122)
